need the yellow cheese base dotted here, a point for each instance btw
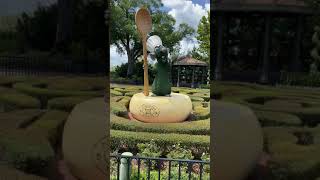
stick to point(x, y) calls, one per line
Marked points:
point(160, 109)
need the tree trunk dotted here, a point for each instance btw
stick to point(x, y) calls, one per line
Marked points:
point(64, 24)
point(130, 63)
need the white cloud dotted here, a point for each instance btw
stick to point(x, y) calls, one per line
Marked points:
point(207, 7)
point(116, 58)
point(187, 45)
point(185, 11)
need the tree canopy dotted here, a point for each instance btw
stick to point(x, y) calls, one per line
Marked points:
point(125, 36)
point(204, 36)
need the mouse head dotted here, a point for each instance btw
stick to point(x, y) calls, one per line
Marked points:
point(161, 53)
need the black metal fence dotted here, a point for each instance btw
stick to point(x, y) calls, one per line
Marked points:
point(22, 65)
point(158, 168)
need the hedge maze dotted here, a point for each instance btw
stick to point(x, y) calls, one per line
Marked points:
point(194, 133)
point(33, 111)
point(290, 120)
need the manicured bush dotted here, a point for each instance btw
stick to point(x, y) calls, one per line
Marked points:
point(278, 103)
point(15, 100)
point(130, 94)
point(51, 93)
point(18, 119)
point(11, 173)
point(131, 139)
point(298, 160)
point(201, 112)
point(115, 93)
point(269, 118)
point(195, 98)
point(122, 90)
point(201, 127)
point(8, 81)
point(50, 126)
point(66, 103)
point(118, 109)
point(77, 83)
point(27, 152)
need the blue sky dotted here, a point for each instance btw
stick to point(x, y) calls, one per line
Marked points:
point(184, 11)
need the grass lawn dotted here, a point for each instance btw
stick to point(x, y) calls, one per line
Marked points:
point(290, 119)
point(33, 111)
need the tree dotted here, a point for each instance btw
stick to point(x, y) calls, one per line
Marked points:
point(203, 38)
point(195, 53)
point(37, 30)
point(64, 24)
point(315, 52)
point(125, 36)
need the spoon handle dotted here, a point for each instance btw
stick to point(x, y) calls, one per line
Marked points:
point(145, 63)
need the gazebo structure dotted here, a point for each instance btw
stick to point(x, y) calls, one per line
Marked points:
point(187, 71)
point(266, 10)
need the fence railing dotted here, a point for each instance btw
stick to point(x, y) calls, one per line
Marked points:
point(126, 166)
point(24, 65)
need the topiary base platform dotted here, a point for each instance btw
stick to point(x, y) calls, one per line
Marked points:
point(237, 140)
point(84, 140)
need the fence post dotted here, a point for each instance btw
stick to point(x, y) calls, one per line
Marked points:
point(125, 166)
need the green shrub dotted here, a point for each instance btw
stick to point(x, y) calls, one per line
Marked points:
point(14, 100)
point(195, 98)
point(201, 127)
point(269, 118)
point(51, 93)
point(8, 81)
point(299, 160)
point(77, 83)
point(279, 103)
point(115, 93)
point(131, 139)
point(18, 119)
point(11, 173)
point(122, 90)
point(27, 152)
point(201, 112)
point(118, 109)
point(50, 126)
point(130, 94)
point(66, 103)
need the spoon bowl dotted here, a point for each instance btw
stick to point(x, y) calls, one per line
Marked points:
point(143, 21)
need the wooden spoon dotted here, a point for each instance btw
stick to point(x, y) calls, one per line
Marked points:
point(144, 25)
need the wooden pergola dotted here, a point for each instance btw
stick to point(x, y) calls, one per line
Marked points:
point(223, 10)
point(189, 72)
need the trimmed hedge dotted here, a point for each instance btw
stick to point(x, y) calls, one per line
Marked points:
point(269, 118)
point(115, 93)
point(18, 119)
point(131, 139)
point(123, 90)
point(195, 98)
point(130, 94)
point(27, 152)
point(76, 83)
point(66, 103)
point(15, 100)
point(51, 93)
point(11, 173)
point(299, 161)
point(8, 81)
point(201, 127)
point(50, 125)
